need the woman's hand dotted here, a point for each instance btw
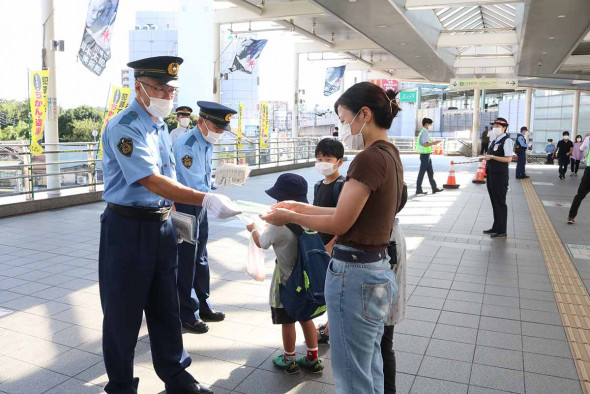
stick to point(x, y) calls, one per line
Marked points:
point(294, 206)
point(278, 217)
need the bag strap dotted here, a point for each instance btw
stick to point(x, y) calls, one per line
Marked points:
point(338, 187)
point(295, 229)
point(316, 187)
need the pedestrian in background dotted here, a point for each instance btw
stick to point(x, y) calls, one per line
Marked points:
point(584, 187)
point(577, 156)
point(485, 141)
point(564, 150)
point(549, 149)
point(520, 149)
point(424, 148)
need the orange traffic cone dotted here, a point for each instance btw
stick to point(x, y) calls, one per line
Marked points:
point(451, 183)
point(484, 165)
point(479, 175)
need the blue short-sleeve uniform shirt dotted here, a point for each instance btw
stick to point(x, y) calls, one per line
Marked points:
point(135, 147)
point(193, 155)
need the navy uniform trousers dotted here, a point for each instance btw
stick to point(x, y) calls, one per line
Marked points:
point(137, 273)
point(521, 163)
point(193, 268)
point(425, 167)
point(497, 184)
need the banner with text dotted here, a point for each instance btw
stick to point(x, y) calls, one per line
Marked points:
point(483, 83)
point(264, 126)
point(38, 101)
point(333, 80)
point(386, 84)
point(95, 49)
point(240, 114)
point(118, 99)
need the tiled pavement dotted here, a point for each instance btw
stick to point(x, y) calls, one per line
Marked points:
point(481, 317)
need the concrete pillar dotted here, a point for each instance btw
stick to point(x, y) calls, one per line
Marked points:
point(576, 115)
point(527, 111)
point(483, 100)
point(475, 128)
point(51, 128)
point(217, 65)
point(295, 116)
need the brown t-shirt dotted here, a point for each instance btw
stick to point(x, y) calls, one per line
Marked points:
point(375, 168)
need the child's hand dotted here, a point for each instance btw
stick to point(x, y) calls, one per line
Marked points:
point(278, 217)
point(290, 205)
point(251, 227)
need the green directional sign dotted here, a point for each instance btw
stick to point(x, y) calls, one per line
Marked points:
point(483, 83)
point(407, 97)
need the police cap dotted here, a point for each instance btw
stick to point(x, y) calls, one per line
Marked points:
point(163, 69)
point(218, 114)
point(500, 122)
point(184, 110)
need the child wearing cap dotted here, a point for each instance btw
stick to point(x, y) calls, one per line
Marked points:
point(549, 149)
point(285, 245)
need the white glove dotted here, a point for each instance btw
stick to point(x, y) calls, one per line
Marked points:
point(220, 206)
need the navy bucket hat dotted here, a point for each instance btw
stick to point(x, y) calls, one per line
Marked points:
point(289, 187)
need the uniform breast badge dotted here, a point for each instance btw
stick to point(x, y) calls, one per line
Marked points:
point(187, 161)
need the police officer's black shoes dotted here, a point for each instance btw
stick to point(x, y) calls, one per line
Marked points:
point(490, 231)
point(434, 191)
point(198, 326)
point(499, 235)
point(212, 315)
point(419, 192)
point(193, 388)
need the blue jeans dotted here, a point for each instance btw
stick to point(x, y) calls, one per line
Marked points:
point(358, 297)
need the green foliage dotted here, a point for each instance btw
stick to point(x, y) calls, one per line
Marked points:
point(19, 131)
point(12, 112)
point(76, 124)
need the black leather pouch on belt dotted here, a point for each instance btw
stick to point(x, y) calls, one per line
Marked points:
point(392, 252)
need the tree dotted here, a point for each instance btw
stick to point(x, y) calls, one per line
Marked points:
point(76, 124)
point(12, 112)
point(19, 131)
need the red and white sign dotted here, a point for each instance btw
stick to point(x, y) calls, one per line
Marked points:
point(385, 83)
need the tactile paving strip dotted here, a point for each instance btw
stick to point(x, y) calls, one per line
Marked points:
point(572, 297)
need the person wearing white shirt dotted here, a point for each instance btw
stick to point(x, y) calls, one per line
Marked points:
point(183, 115)
point(584, 187)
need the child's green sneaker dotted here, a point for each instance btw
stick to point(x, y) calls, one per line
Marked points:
point(314, 366)
point(288, 365)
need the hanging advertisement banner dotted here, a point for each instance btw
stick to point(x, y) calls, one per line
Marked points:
point(95, 49)
point(39, 82)
point(240, 114)
point(333, 80)
point(386, 84)
point(264, 126)
point(118, 99)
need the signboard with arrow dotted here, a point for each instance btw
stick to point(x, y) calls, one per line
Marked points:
point(483, 83)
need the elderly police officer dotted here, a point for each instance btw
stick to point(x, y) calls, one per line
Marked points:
point(194, 151)
point(183, 116)
point(137, 257)
point(497, 159)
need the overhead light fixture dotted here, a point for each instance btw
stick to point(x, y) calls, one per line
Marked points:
point(402, 43)
point(382, 26)
point(417, 56)
point(561, 16)
point(352, 1)
point(544, 53)
point(552, 38)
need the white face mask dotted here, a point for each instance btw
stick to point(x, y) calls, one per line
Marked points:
point(355, 141)
point(211, 137)
point(326, 169)
point(159, 108)
point(184, 122)
point(565, 138)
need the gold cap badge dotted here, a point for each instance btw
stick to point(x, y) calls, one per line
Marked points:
point(173, 68)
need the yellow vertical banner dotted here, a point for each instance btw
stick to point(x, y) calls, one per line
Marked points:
point(38, 101)
point(240, 114)
point(264, 125)
point(118, 99)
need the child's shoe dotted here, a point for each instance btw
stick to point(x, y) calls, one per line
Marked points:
point(290, 366)
point(314, 366)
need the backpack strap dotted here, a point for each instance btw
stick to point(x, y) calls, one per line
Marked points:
point(295, 229)
point(338, 187)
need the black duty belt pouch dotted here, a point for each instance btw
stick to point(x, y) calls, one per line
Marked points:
point(392, 252)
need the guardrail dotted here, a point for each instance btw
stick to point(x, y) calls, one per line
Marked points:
point(24, 175)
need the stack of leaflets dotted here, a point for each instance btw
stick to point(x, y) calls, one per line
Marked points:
point(185, 227)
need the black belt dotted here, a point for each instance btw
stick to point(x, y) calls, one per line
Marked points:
point(151, 214)
point(358, 256)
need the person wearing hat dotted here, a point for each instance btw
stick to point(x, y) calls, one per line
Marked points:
point(193, 152)
point(183, 116)
point(137, 254)
point(497, 159)
point(288, 187)
point(520, 148)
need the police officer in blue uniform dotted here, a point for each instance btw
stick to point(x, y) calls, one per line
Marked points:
point(137, 255)
point(520, 148)
point(498, 158)
point(193, 152)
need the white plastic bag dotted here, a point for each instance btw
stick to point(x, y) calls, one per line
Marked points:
point(255, 262)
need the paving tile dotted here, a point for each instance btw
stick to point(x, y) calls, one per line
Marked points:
point(550, 365)
point(537, 295)
point(499, 325)
point(550, 347)
point(410, 343)
point(499, 339)
point(537, 305)
point(540, 317)
point(459, 295)
point(543, 384)
point(32, 381)
point(543, 331)
point(465, 286)
point(438, 275)
point(459, 319)
point(443, 268)
point(462, 307)
point(504, 282)
point(495, 357)
point(454, 333)
point(497, 378)
point(403, 383)
point(533, 285)
point(407, 362)
point(450, 350)
point(423, 314)
point(502, 290)
point(500, 273)
point(71, 362)
point(440, 368)
point(470, 278)
point(471, 270)
point(492, 299)
point(75, 386)
point(483, 390)
point(438, 283)
point(500, 311)
point(426, 302)
point(415, 327)
point(424, 385)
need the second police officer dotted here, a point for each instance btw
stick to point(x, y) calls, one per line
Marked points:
point(137, 254)
point(193, 151)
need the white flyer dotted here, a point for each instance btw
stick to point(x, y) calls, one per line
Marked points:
point(185, 227)
point(234, 173)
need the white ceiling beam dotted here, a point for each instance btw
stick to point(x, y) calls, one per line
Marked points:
point(271, 11)
point(387, 65)
point(339, 46)
point(587, 38)
point(432, 4)
point(448, 40)
point(484, 70)
point(577, 60)
point(484, 62)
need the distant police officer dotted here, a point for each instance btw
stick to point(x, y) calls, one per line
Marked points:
point(520, 149)
point(498, 157)
point(193, 151)
point(137, 255)
point(183, 116)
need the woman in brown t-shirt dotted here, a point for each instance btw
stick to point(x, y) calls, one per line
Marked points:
point(360, 284)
